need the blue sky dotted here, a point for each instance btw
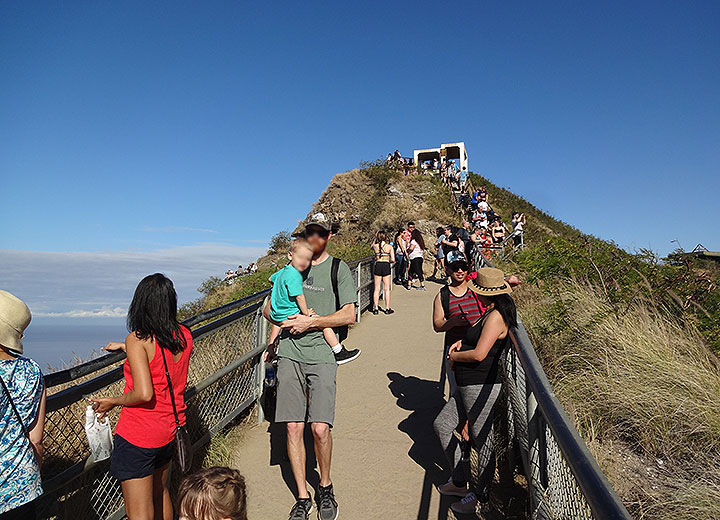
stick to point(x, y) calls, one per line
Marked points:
point(179, 136)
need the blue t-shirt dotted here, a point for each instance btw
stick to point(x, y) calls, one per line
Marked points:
point(19, 472)
point(463, 175)
point(287, 285)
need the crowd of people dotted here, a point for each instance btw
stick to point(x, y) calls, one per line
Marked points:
point(312, 302)
point(231, 275)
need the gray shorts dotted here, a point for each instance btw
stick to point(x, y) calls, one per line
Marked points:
point(305, 393)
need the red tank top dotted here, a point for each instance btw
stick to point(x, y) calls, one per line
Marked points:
point(152, 424)
point(468, 305)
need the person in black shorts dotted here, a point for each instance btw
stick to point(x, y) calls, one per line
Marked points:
point(384, 258)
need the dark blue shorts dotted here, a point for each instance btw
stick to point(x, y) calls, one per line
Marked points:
point(130, 461)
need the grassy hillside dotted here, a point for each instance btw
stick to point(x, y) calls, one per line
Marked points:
point(629, 342)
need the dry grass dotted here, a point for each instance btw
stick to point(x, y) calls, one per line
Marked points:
point(644, 390)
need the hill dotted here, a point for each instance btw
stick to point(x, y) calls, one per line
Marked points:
point(629, 340)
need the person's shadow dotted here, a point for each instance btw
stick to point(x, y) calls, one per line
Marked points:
point(279, 457)
point(424, 399)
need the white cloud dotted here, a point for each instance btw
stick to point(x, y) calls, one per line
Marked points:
point(176, 229)
point(101, 283)
point(107, 312)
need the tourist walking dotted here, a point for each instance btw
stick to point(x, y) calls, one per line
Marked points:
point(307, 369)
point(416, 251)
point(384, 258)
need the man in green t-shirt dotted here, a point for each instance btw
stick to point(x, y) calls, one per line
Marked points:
point(307, 368)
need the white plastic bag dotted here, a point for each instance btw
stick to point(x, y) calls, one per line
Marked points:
point(99, 435)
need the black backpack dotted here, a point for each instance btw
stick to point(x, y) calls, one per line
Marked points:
point(445, 300)
point(342, 331)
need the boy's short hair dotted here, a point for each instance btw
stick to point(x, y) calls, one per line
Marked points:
point(300, 242)
point(213, 494)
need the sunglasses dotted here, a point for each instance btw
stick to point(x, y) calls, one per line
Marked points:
point(322, 233)
point(458, 266)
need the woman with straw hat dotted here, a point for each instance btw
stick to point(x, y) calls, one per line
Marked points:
point(475, 361)
point(22, 414)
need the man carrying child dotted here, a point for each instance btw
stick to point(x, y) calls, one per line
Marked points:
point(307, 366)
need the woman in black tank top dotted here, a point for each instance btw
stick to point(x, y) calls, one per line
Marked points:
point(475, 361)
point(384, 258)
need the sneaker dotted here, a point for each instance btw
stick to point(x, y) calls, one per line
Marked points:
point(408, 287)
point(301, 510)
point(345, 355)
point(375, 312)
point(389, 311)
point(421, 288)
point(327, 506)
point(450, 489)
point(466, 506)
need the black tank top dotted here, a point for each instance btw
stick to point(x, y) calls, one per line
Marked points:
point(482, 372)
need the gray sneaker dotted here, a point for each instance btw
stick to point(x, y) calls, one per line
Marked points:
point(327, 506)
point(301, 510)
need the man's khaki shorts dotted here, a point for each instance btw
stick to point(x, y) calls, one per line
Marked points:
point(305, 393)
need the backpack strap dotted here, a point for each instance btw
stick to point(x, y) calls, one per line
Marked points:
point(445, 300)
point(334, 279)
point(12, 404)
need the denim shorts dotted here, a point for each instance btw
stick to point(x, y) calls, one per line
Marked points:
point(129, 461)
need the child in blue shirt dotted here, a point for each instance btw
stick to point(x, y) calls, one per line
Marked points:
point(287, 298)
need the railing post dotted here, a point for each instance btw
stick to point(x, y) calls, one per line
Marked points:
point(261, 339)
point(359, 291)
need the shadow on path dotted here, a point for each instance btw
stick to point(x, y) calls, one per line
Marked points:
point(279, 457)
point(425, 400)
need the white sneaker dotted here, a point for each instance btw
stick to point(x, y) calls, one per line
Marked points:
point(450, 489)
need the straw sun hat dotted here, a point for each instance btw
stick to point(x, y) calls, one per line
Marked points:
point(489, 282)
point(14, 319)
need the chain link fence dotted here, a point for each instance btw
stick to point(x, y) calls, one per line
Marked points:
point(564, 480)
point(225, 379)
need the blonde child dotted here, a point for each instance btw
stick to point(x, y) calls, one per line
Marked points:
point(215, 493)
point(287, 296)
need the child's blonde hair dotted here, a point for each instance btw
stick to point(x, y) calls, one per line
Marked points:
point(213, 494)
point(300, 242)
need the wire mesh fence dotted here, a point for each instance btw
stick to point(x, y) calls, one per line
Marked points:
point(224, 380)
point(563, 478)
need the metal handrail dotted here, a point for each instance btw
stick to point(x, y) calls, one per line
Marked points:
point(597, 490)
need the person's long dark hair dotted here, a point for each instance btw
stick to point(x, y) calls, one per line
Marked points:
point(417, 237)
point(504, 304)
point(153, 313)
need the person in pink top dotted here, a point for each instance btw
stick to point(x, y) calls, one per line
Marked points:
point(145, 433)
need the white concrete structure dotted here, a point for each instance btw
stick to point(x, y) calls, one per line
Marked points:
point(449, 151)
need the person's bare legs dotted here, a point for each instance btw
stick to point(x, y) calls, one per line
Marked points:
point(138, 497)
point(376, 294)
point(323, 450)
point(330, 337)
point(386, 295)
point(161, 496)
point(296, 454)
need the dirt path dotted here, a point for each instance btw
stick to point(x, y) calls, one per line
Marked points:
point(385, 457)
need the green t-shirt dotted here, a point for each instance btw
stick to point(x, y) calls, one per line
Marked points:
point(311, 347)
point(287, 285)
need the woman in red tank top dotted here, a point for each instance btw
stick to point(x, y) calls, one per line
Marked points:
point(146, 429)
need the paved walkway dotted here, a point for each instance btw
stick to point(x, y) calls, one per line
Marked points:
point(386, 457)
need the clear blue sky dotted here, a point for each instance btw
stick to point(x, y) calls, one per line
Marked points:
point(167, 127)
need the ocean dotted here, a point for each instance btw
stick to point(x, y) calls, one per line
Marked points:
point(57, 343)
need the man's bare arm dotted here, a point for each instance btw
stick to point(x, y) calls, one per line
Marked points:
point(299, 323)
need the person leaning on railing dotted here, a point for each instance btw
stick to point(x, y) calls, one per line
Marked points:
point(158, 348)
point(475, 359)
point(22, 414)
